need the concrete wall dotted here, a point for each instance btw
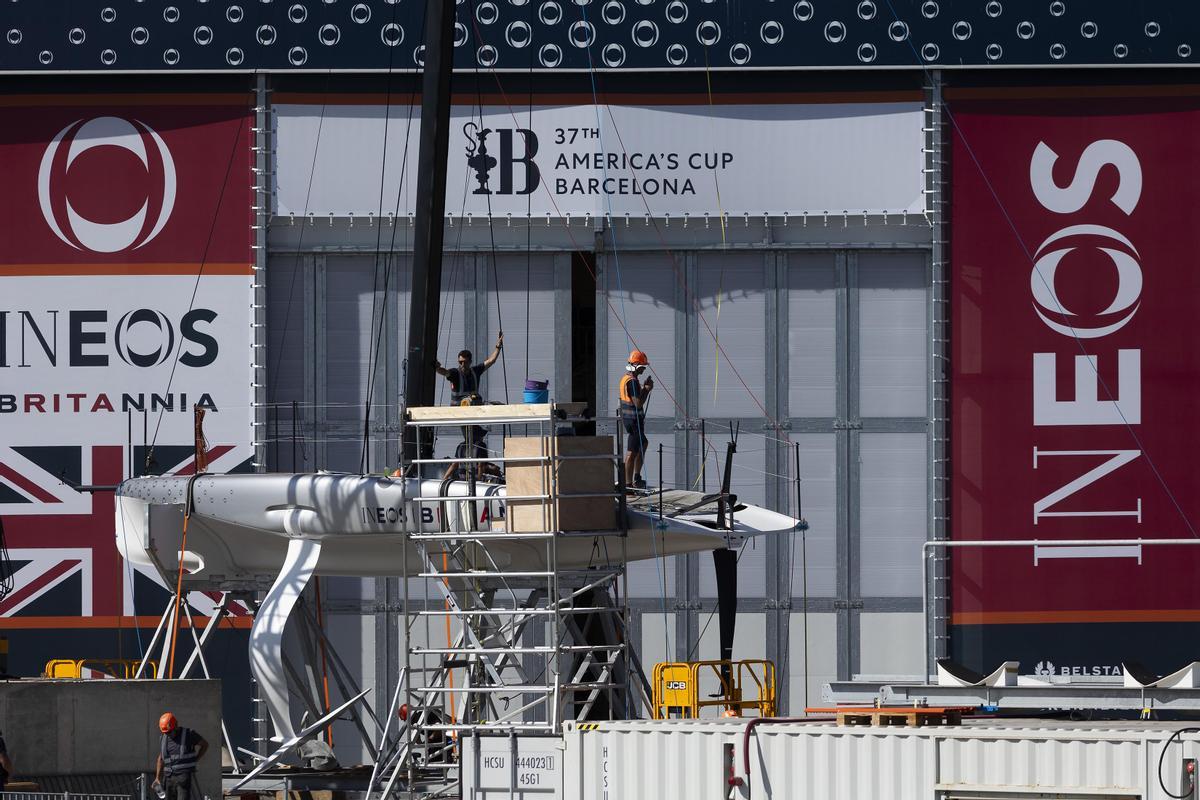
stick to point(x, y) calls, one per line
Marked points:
point(95, 727)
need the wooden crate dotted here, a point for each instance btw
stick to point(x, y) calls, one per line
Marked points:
point(571, 476)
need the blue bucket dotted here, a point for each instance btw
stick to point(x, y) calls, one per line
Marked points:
point(537, 391)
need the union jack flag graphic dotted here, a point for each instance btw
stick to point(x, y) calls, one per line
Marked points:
point(60, 540)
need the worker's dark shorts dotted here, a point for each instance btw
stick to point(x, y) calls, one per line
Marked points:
point(179, 787)
point(636, 442)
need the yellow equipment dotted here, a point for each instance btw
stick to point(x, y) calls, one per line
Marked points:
point(679, 685)
point(111, 667)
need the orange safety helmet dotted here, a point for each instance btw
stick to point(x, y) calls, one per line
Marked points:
point(638, 358)
point(167, 722)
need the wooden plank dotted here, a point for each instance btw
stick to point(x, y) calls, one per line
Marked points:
point(482, 414)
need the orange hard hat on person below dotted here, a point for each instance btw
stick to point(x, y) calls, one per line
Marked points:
point(638, 357)
point(167, 722)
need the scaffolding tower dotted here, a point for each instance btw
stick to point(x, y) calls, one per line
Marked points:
point(493, 646)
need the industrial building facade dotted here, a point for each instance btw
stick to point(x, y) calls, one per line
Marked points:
point(779, 246)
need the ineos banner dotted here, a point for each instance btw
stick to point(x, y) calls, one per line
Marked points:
point(125, 294)
point(1076, 381)
point(588, 160)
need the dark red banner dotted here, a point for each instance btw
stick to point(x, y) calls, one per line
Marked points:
point(1075, 361)
point(96, 180)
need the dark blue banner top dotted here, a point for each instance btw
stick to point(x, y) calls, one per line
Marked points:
point(381, 35)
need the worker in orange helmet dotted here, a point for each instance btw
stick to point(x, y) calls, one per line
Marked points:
point(178, 752)
point(633, 395)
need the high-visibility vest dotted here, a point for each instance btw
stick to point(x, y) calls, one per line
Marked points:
point(183, 759)
point(630, 389)
point(468, 384)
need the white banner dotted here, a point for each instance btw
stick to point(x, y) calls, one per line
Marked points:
point(608, 160)
point(79, 354)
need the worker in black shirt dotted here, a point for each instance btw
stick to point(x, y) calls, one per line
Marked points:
point(464, 381)
point(178, 751)
point(6, 767)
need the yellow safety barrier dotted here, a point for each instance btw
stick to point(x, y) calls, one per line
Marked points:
point(677, 688)
point(73, 669)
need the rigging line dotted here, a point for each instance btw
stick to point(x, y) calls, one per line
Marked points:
point(447, 298)
point(592, 272)
point(374, 344)
point(612, 232)
point(199, 274)
point(689, 294)
point(1037, 271)
point(491, 220)
point(529, 214)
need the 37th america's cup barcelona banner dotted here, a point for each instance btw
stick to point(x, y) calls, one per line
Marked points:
point(125, 300)
point(1075, 398)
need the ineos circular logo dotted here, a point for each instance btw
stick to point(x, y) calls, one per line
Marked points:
point(106, 237)
point(1118, 252)
point(163, 327)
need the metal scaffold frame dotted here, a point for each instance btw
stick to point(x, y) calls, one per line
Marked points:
point(526, 650)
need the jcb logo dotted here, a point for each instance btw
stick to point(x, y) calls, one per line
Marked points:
point(679, 686)
point(510, 140)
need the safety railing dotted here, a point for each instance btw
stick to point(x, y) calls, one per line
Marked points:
point(678, 687)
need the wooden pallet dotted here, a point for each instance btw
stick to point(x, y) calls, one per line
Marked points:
point(901, 716)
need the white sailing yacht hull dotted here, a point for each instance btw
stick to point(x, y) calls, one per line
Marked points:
point(241, 525)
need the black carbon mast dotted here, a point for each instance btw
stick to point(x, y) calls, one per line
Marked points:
point(430, 214)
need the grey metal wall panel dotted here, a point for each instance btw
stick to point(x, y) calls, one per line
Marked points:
point(893, 334)
point(348, 305)
point(812, 658)
point(731, 303)
point(748, 638)
point(817, 547)
point(812, 335)
point(894, 513)
point(658, 640)
point(286, 315)
point(891, 644)
point(641, 292)
point(647, 578)
point(530, 338)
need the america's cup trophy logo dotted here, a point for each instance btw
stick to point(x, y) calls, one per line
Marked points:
point(478, 158)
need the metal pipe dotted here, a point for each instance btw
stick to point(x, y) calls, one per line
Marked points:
point(750, 726)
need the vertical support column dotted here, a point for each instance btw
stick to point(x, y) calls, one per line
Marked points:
point(853, 434)
point(560, 386)
point(320, 352)
point(937, 610)
point(687, 567)
point(392, 365)
point(778, 595)
point(263, 203)
point(604, 391)
point(263, 206)
point(841, 601)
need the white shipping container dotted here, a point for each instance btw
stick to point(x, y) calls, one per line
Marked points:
point(521, 767)
point(823, 761)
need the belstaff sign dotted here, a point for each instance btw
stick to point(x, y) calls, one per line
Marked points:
point(1076, 376)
